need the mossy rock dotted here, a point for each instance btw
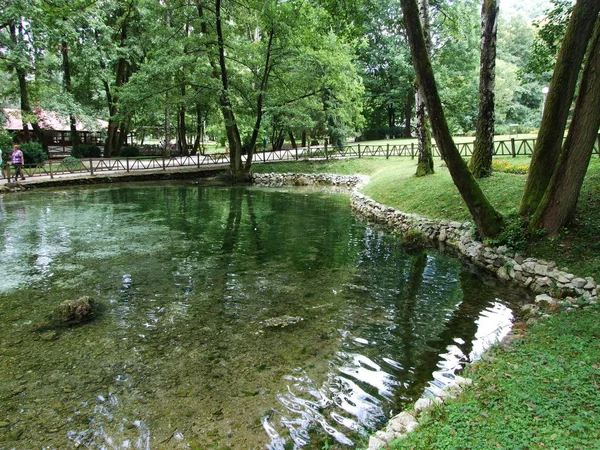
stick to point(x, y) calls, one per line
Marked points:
point(74, 312)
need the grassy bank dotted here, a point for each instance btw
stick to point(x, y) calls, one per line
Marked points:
point(542, 392)
point(543, 389)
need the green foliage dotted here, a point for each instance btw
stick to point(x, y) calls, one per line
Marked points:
point(87, 151)
point(71, 163)
point(375, 134)
point(550, 33)
point(33, 153)
point(514, 234)
point(130, 151)
point(6, 142)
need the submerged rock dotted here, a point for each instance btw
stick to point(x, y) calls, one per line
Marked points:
point(281, 321)
point(68, 313)
point(72, 312)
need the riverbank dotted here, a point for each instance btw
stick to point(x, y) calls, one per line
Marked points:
point(539, 389)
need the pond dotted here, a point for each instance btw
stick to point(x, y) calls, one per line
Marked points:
point(231, 318)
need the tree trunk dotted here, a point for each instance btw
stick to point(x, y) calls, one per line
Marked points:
point(425, 157)
point(67, 80)
point(481, 161)
point(556, 111)
point(558, 205)
point(293, 141)
point(238, 172)
point(487, 220)
point(183, 147)
point(27, 114)
point(407, 133)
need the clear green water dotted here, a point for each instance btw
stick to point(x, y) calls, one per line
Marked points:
point(178, 357)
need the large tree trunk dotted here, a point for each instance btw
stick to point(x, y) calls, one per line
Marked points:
point(558, 205)
point(487, 220)
point(27, 114)
point(481, 161)
point(425, 158)
point(558, 102)
point(69, 90)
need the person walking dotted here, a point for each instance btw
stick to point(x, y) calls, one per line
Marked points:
point(17, 162)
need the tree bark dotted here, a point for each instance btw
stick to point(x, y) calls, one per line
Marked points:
point(425, 156)
point(67, 80)
point(483, 151)
point(562, 89)
point(408, 106)
point(182, 131)
point(293, 140)
point(238, 172)
point(557, 207)
point(487, 220)
point(27, 113)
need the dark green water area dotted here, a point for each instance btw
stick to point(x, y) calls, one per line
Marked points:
point(231, 318)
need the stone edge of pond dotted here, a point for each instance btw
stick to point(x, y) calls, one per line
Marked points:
point(555, 288)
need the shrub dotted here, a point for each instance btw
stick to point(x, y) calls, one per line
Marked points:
point(71, 163)
point(86, 151)
point(130, 151)
point(6, 143)
point(33, 153)
point(505, 166)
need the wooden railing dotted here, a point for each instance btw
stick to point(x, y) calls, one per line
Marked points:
point(507, 148)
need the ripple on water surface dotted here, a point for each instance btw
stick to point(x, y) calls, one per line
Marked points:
point(240, 318)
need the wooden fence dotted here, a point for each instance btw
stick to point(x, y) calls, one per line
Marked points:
point(510, 148)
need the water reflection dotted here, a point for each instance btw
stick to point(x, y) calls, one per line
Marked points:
point(187, 276)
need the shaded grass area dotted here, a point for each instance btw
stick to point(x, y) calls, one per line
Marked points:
point(393, 184)
point(542, 392)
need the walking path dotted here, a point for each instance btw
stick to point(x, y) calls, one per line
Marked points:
point(114, 174)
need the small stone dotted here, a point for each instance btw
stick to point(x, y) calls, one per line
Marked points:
point(544, 300)
point(579, 282)
point(503, 273)
point(385, 435)
point(375, 443)
point(462, 381)
point(422, 404)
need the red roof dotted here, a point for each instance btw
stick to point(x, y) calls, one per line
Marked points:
point(49, 120)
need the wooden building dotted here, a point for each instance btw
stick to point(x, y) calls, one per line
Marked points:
point(57, 128)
